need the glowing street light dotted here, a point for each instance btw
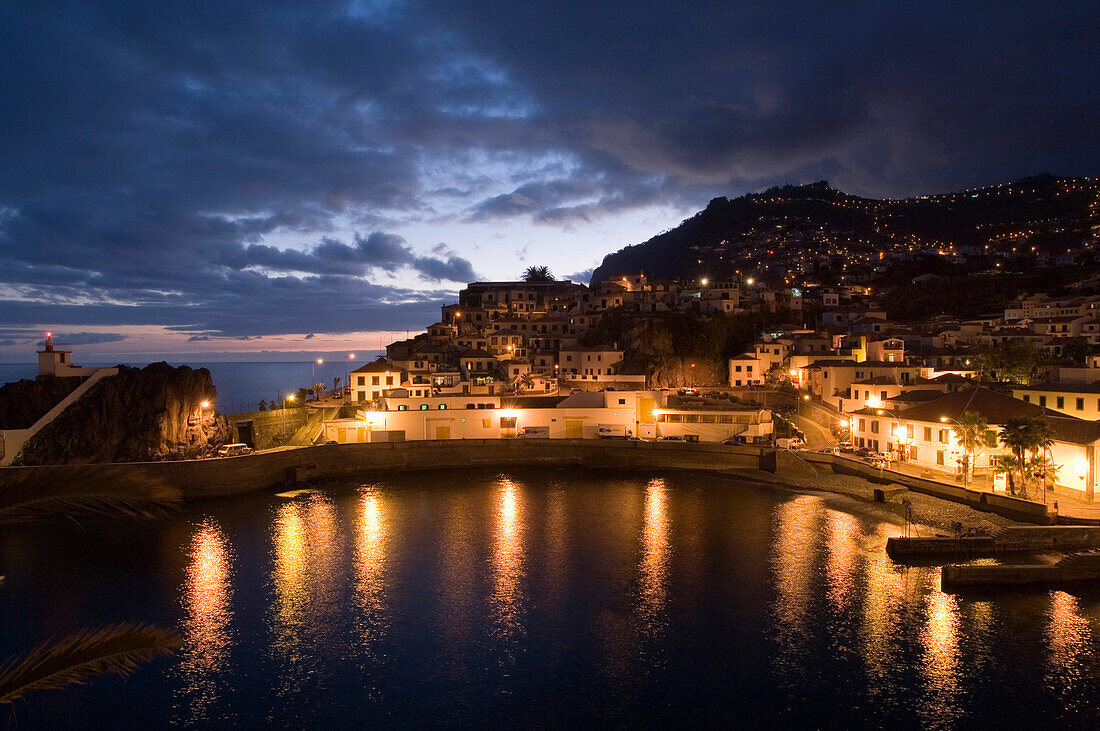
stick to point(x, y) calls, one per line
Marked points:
point(347, 373)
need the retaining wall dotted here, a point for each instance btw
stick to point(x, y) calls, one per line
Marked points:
point(236, 475)
point(1009, 507)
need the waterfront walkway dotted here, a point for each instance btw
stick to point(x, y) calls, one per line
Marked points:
point(816, 421)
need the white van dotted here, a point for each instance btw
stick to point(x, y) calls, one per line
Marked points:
point(789, 443)
point(234, 450)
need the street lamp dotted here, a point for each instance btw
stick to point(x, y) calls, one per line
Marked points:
point(290, 397)
point(313, 370)
point(347, 373)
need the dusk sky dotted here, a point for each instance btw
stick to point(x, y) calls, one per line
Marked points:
point(200, 177)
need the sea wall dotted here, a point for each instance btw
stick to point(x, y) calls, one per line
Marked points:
point(269, 428)
point(1006, 505)
point(235, 475)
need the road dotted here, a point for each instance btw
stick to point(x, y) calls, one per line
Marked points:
point(817, 436)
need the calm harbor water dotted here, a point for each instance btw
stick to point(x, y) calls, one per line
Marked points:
point(544, 598)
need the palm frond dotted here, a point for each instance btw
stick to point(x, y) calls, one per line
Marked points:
point(119, 649)
point(95, 492)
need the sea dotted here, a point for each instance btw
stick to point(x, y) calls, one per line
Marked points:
point(241, 385)
point(540, 598)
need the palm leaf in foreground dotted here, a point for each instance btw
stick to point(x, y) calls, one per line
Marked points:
point(119, 648)
point(97, 491)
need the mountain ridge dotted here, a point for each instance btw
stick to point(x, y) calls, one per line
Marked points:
point(771, 233)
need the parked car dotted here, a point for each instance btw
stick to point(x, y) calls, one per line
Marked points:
point(673, 438)
point(845, 447)
point(535, 432)
point(734, 440)
point(789, 443)
point(234, 450)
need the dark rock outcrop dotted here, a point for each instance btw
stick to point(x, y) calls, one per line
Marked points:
point(24, 402)
point(141, 414)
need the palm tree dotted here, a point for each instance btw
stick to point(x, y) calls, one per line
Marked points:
point(525, 383)
point(1025, 435)
point(970, 430)
point(1042, 468)
point(119, 648)
point(537, 274)
point(1006, 464)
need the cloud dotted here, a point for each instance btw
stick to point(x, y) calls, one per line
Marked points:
point(310, 336)
point(377, 251)
point(229, 171)
point(87, 338)
point(583, 276)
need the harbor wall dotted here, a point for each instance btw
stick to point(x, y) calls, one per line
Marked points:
point(337, 462)
point(1006, 505)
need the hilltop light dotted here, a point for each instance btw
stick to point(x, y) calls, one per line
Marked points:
point(205, 404)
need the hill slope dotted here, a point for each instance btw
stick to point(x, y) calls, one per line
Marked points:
point(815, 228)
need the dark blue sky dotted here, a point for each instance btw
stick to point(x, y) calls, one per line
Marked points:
point(186, 175)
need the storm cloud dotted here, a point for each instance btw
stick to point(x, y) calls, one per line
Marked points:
point(232, 170)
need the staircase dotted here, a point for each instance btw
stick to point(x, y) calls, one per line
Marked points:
point(12, 440)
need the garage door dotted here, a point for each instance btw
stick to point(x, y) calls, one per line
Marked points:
point(574, 429)
point(443, 432)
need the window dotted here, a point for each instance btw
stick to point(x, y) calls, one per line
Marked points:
point(362, 381)
point(1042, 400)
point(874, 427)
point(402, 407)
point(706, 419)
point(737, 369)
point(471, 406)
point(1061, 401)
point(862, 424)
point(675, 418)
point(1027, 398)
point(374, 381)
point(443, 407)
point(376, 395)
point(487, 423)
point(622, 401)
point(423, 407)
point(943, 436)
point(927, 433)
point(939, 456)
point(908, 431)
point(1080, 404)
point(691, 418)
point(389, 380)
point(882, 395)
point(508, 422)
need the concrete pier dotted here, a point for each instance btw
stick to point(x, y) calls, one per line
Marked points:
point(1013, 539)
point(1075, 568)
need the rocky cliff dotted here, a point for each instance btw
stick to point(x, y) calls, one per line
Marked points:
point(142, 414)
point(24, 402)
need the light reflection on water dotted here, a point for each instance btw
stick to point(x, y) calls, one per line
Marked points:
point(370, 565)
point(523, 598)
point(207, 600)
point(654, 568)
point(507, 561)
point(308, 578)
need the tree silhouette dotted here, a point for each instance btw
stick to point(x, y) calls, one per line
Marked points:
point(1025, 435)
point(537, 274)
